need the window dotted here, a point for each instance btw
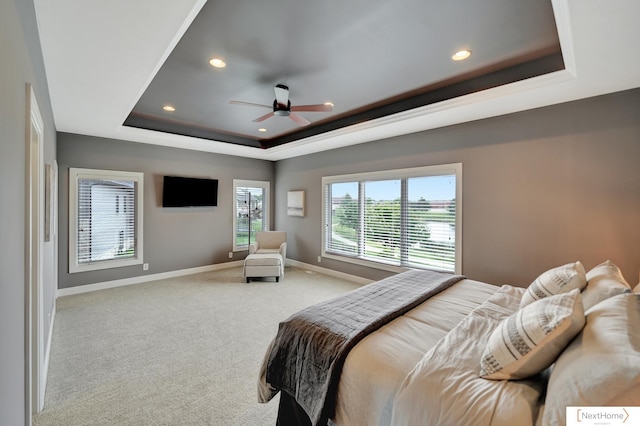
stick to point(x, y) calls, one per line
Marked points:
point(105, 219)
point(396, 218)
point(250, 211)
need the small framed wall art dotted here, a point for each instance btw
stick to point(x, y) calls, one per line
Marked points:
point(50, 200)
point(295, 203)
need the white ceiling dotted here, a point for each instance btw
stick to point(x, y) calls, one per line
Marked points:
point(101, 56)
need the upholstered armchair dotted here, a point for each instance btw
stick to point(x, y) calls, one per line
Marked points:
point(270, 242)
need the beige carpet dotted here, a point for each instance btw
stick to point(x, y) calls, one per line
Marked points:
point(182, 351)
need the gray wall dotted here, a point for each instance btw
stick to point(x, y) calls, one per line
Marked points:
point(21, 63)
point(174, 238)
point(540, 188)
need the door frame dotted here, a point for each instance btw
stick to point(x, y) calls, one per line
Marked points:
point(34, 225)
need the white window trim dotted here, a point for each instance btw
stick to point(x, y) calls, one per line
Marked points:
point(265, 185)
point(74, 175)
point(436, 170)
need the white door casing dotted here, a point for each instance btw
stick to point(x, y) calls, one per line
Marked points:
point(34, 309)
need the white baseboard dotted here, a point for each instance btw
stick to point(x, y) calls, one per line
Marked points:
point(348, 277)
point(172, 274)
point(47, 353)
point(145, 278)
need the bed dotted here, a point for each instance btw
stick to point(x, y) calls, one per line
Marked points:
point(447, 356)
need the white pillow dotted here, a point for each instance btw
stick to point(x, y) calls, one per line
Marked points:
point(601, 367)
point(558, 280)
point(529, 340)
point(603, 281)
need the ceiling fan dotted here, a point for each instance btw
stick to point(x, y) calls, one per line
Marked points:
point(282, 107)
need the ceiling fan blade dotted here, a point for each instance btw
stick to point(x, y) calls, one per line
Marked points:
point(250, 104)
point(313, 108)
point(282, 94)
point(264, 117)
point(299, 119)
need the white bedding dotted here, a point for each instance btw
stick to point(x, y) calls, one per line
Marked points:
point(444, 387)
point(424, 366)
point(376, 367)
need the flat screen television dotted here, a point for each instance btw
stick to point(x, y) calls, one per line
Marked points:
point(189, 192)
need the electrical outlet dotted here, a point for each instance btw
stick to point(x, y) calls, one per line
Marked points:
point(319, 259)
point(230, 255)
point(145, 266)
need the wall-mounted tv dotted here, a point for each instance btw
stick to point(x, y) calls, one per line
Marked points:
point(189, 192)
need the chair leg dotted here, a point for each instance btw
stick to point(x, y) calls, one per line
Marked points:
point(277, 279)
point(248, 280)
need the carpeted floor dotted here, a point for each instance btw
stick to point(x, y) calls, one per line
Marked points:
point(182, 351)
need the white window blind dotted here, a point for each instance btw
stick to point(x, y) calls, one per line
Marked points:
point(342, 210)
point(105, 219)
point(396, 218)
point(382, 224)
point(431, 222)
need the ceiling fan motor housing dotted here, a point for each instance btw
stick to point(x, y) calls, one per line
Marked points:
point(280, 110)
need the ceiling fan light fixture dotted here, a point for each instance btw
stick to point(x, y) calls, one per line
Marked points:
point(217, 63)
point(262, 130)
point(461, 55)
point(169, 108)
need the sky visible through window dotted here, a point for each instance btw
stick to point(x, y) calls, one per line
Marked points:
point(430, 188)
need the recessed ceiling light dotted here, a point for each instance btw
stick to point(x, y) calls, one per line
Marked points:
point(329, 103)
point(217, 63)
point(461, 55)
point(262, 129)
point(168, 108)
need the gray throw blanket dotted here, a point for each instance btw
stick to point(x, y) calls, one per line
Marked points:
point(309, 350)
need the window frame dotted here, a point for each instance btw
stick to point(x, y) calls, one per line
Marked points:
point(414, 172)
point(266, 208)
point(77, 174)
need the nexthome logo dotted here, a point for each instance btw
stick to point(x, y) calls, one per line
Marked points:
point(603, 416)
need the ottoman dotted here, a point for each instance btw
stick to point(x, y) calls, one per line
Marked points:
point(263, 265)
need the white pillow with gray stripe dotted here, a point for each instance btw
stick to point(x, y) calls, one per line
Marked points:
point(555, 281)
point(531, 339)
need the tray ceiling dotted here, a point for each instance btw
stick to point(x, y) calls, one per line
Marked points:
point(368, 58)
point(386, 66)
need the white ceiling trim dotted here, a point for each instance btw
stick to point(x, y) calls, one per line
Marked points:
point(91, 98)
point(475, 106)
point(198, 4)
